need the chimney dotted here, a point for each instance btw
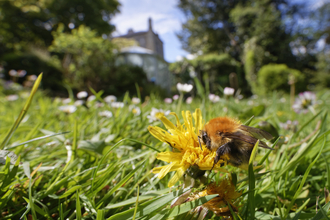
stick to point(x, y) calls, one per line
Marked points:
point(130, 31)
point(150, 24)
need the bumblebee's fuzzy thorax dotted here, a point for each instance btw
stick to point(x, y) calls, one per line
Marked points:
point(220, 125)
point(223, 125)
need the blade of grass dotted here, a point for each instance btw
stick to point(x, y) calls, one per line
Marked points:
point(100, 214)
point(61, 212)
point(37, 139)
point(251, 199)
point(295, 160)
point(186, 207)
point(137, 202)
point(121, 182)
point(319, 215)
point(148, 207)
point(296, 217)
point(304, 179)
point(295, 135)
point(23, 112)
point(78, 207)
point(248, 121)
point(235, 217)
point(111, 149)
point(303, 206)
point(200, 88)
point(268, 152)
point(74, 143)
point(323, 212)
point(328, 170)
point(139, 96)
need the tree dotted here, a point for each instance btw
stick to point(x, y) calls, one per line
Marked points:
point(24, 23)
point(208, 28)
point(216, 67)
point(26, 33)
point(252, 31)
point(84, 57)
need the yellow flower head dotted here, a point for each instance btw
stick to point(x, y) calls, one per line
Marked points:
point(226, 195)
point(184, 139)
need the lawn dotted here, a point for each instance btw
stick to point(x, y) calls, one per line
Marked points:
point(98, 160)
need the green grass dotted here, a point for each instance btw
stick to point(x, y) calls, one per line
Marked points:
point(108, 175)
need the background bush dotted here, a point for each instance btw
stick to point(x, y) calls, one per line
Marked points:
point(276, 77)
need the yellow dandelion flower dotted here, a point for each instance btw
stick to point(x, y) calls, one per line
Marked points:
point(184, 139)
point(226, 195)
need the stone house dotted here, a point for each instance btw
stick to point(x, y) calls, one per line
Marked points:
point(149, 55)
point(147, 39)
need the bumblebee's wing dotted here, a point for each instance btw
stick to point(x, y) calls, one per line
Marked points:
point(247, 138)
point(264, 145)
point(256, 132)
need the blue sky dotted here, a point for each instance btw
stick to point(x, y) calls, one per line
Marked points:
point(166, 17)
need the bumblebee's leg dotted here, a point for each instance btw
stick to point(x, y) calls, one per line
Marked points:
point(200, 142)
point(223, 149)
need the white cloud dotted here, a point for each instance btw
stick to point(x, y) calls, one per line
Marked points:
point(318, 4)
point(179, 58)
point(134, 14)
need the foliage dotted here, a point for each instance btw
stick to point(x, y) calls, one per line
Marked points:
point(260, 21)
point(256, 33)
point(216, 67)
point(225, 26)
point(249, 68)
point(101, 169)
point(322, 76)
point(25, 23)
point(276, 77)
point(124, 77)
point(85, 58)
point(26, 33)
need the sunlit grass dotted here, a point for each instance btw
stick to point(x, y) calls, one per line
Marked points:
point(83, 165)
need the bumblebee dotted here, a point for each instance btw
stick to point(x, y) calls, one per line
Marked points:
point(229, 137)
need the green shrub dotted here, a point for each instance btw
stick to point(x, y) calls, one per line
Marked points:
point(276, 77)
point(249, 67)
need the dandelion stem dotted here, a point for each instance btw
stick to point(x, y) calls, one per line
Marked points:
point(178, 107)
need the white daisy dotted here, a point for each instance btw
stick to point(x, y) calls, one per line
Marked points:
point(79, 103)
point(184, 87)
point(156, 114)
point(304, 102)
point(12, 97)
point(66, 101)
point(134, 109)
point(91, 98)
point(82, 94)
point(106, 114)
point(117, 104)
point(110, 98)
point(214, 98)
point(68, 108)
point(228, 91)
point(136, 100)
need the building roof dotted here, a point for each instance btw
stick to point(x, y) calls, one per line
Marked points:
point(136, 49)
point(132, 34)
